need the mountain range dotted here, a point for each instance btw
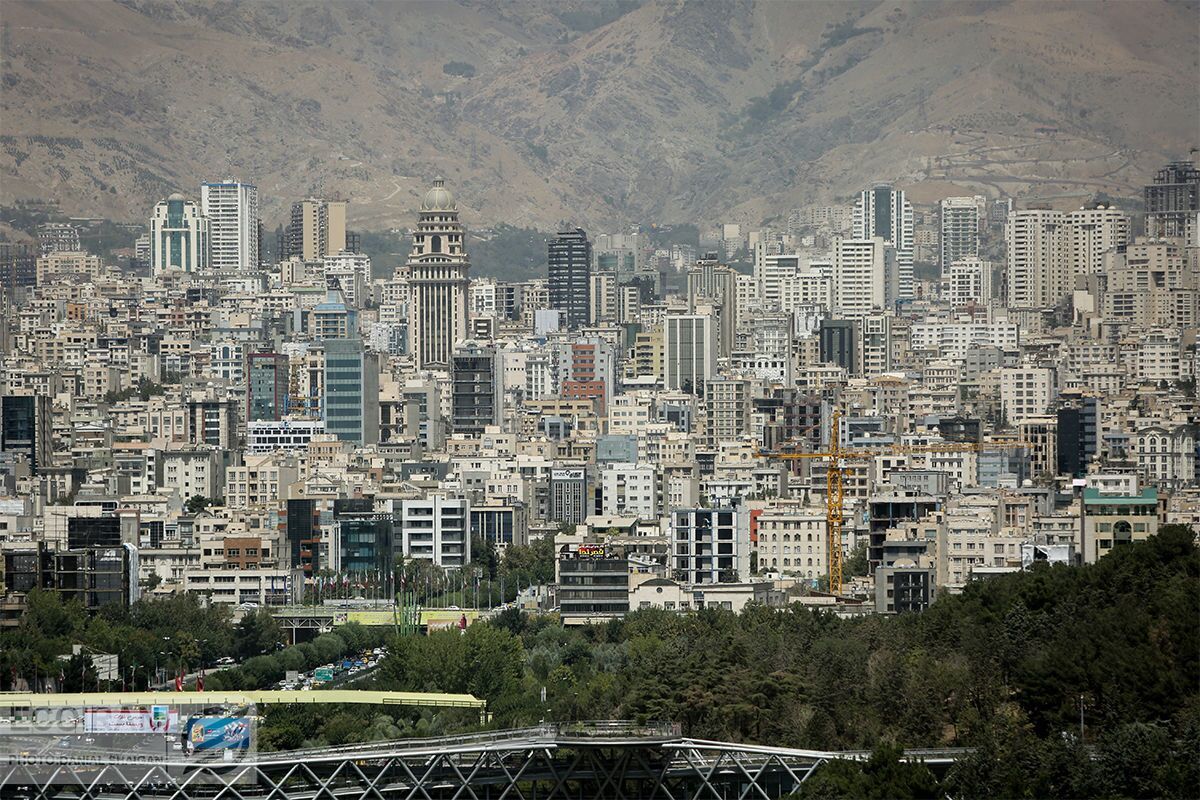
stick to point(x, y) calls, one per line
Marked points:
point(594, 112)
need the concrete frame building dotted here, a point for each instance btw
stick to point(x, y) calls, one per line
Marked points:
point(959, 239)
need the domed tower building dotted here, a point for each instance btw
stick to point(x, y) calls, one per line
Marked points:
point(438, 264)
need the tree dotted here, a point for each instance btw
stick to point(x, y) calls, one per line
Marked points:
point(258, 633)
point(884, 776)
point(857, 563)
point(528, 565)
point(196, 503)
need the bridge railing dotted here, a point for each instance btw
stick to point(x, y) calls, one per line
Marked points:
point(549, 732)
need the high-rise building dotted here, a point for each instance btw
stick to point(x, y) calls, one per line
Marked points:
point(351, 391)
point(25, 428)
point(969, 280)
point(876, 344)
point(885, 212)
point(179, 236)
point(1092, 232)
point(1078, 434)
point(774, 273)
point(438, 267)
point(266, 386)
point(689, 352)
point(603, 297)
point(475, 392)
point(18, 265)
point(234, 228)
point(866, 276)
point(317, 229)
point(960, 219)
point(569, 261)
point(712, 288)
point(1173, 202)
point(1037, 272)
point(838, 342)
point(568, 495)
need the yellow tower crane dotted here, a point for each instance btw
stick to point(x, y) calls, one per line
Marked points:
point(837, 470)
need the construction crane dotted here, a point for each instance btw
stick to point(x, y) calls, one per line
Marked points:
point(838, 469)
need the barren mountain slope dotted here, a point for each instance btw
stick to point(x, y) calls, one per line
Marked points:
point(596, 112)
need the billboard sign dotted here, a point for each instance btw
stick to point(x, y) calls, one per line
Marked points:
point(219, 733)
point(155, 719)
point(591, 551)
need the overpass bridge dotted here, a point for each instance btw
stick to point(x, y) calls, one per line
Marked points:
point(574, 760)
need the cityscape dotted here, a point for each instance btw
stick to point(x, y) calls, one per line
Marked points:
point(870, 482)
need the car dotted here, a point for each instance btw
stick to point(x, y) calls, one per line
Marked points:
point(227, 661)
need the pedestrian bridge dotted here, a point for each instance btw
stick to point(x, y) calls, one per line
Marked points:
point(41, 700)
point(573, 760)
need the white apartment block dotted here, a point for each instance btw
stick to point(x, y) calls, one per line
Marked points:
point(1092, 232)
point(231, 208)
point(864, 276)
point(774, 274)
point(229, 586)
point(192, 472)
point(352, 271)
point(435, 528)
point(1026, 392)
point(876, 344)
point(1036, 261)
point(956, 339)
point(793, 541)
point(227, 360)
point(747, 301)
point(629, 490)
point(1160, 357)
point(262, 481)
point(969, 281)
